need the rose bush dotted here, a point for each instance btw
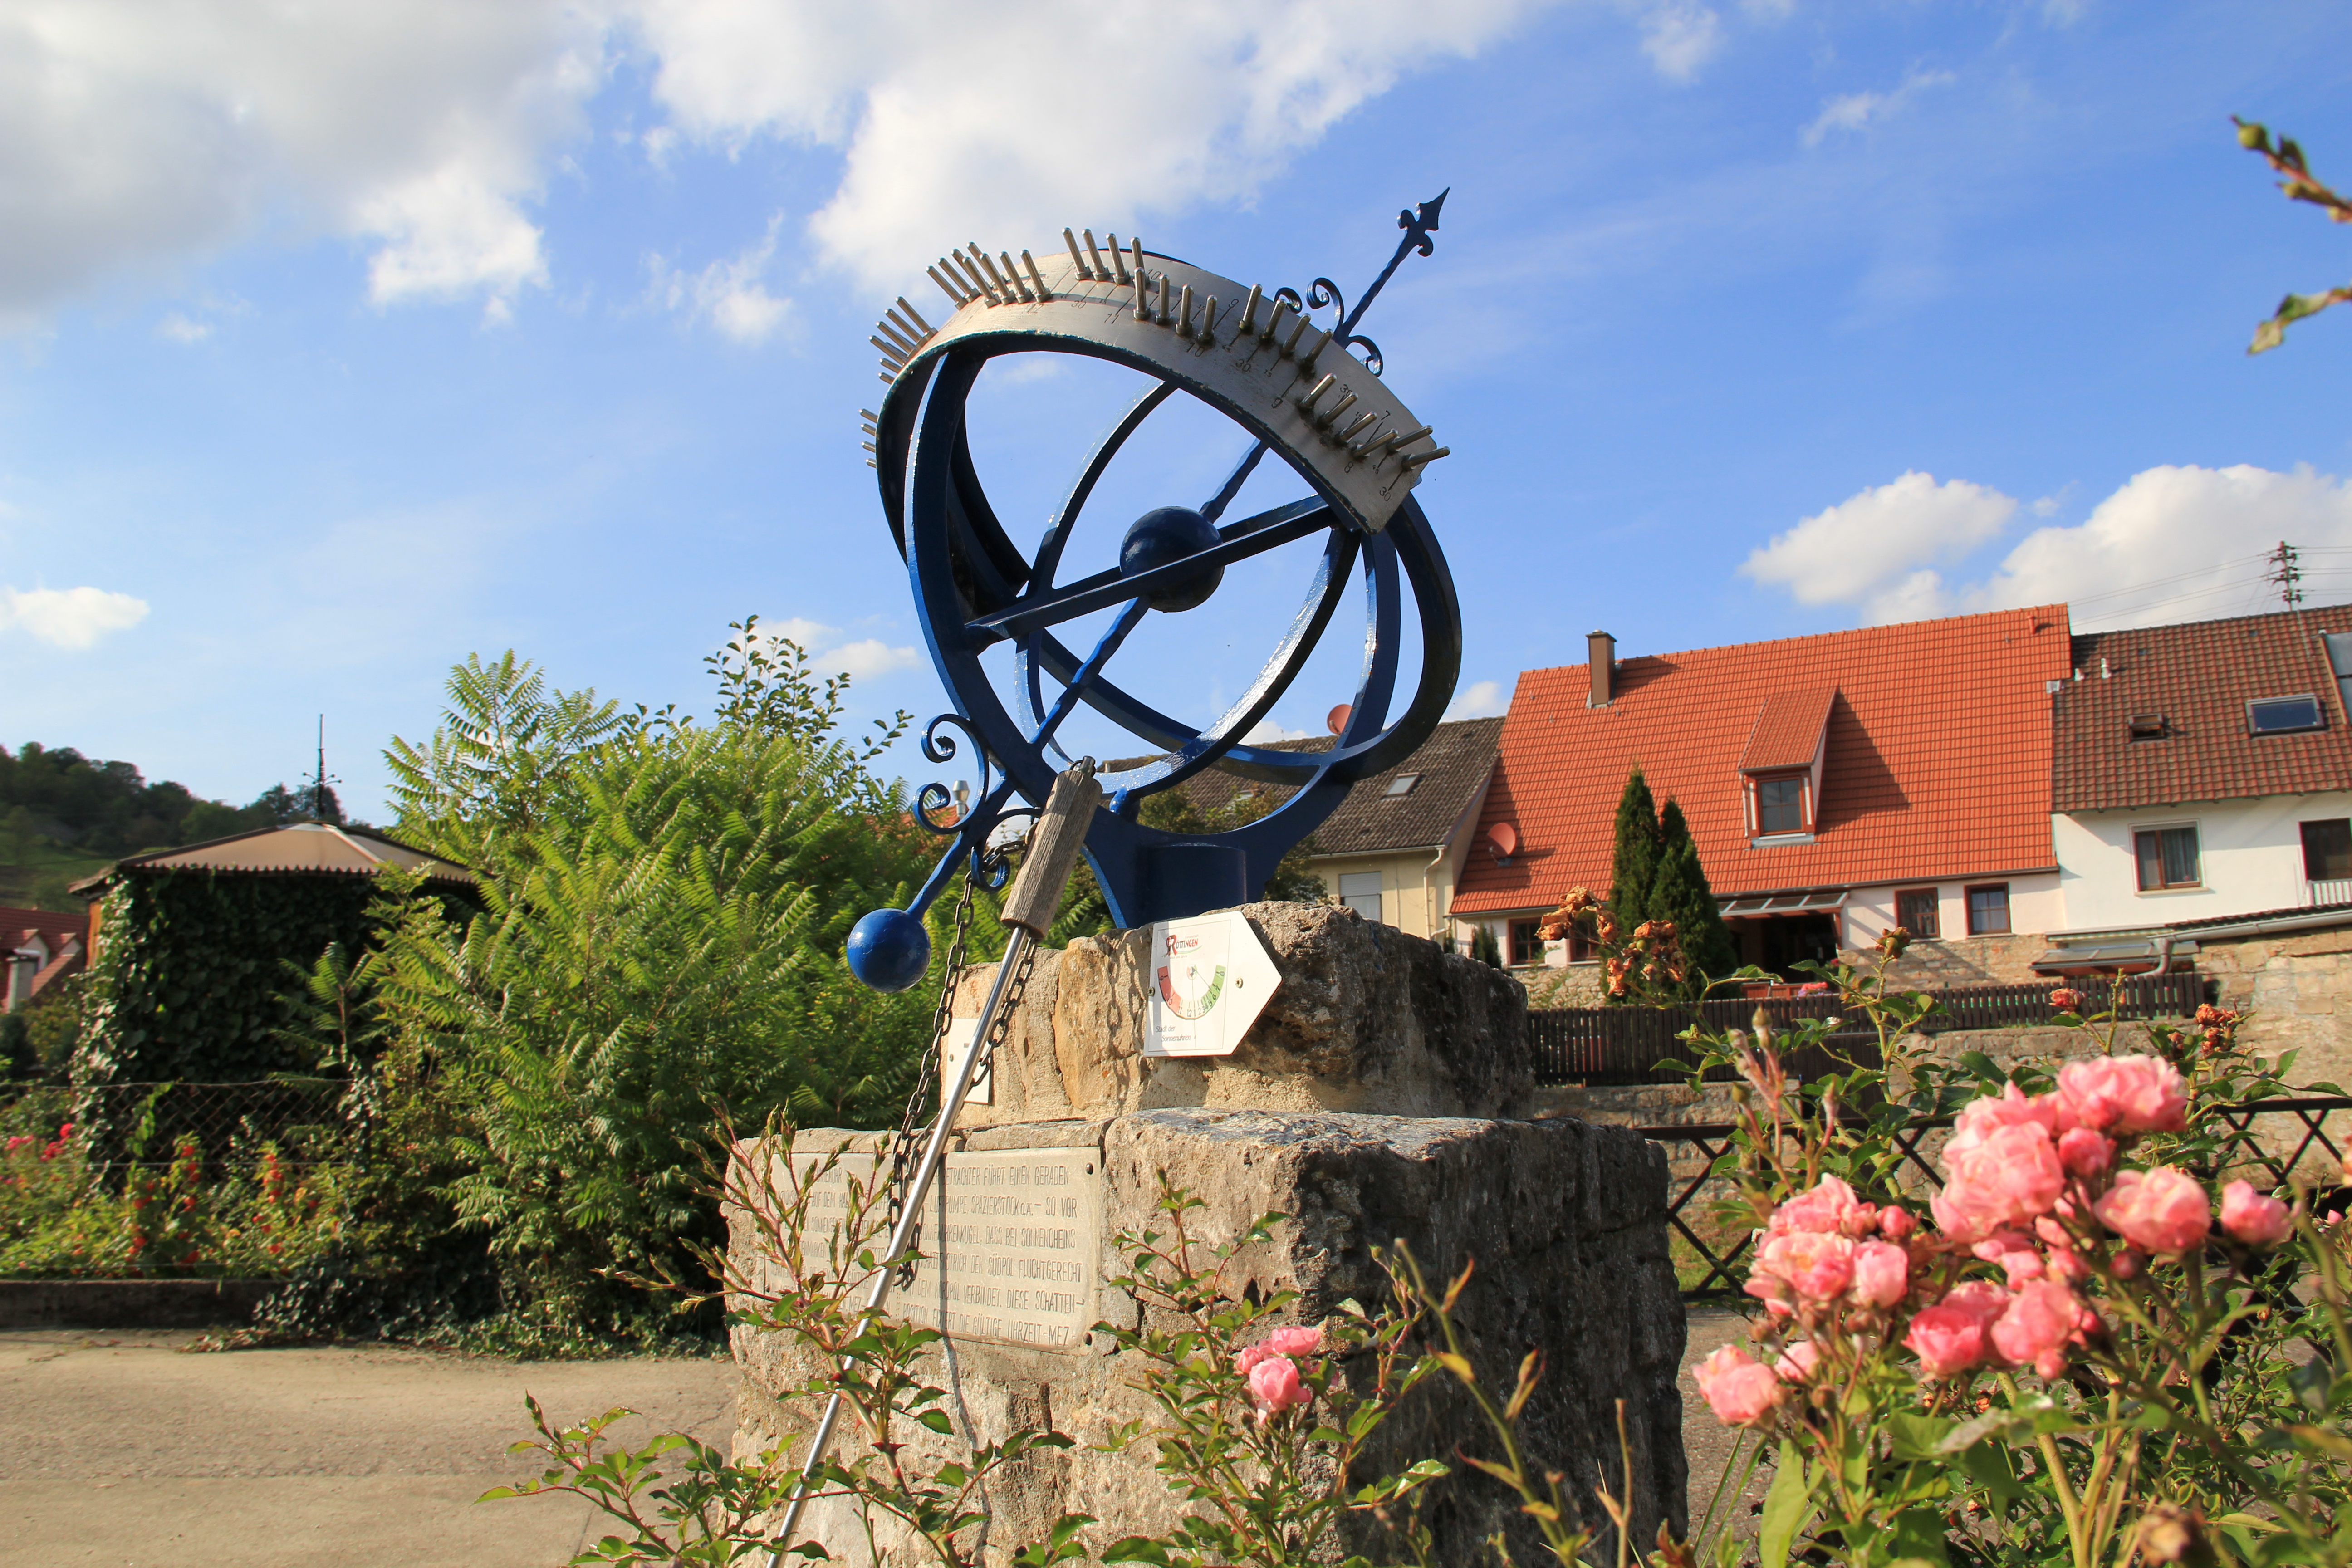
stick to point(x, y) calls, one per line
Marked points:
point(2121, 1337)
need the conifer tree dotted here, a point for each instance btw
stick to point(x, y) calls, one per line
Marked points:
point(1634, 865)
point(1680, 894)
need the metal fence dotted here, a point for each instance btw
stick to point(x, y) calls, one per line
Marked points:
point(131, 1124)
point(1625, 1045)
point(1712, 1141)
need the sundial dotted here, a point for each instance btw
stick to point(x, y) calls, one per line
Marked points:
point(1310, 394)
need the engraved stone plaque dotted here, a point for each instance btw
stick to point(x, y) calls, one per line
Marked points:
point(1011, 1243)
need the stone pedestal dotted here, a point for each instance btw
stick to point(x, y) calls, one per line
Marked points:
point(1375, 1101)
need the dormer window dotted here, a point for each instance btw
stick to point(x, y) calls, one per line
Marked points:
point(2147, 726)
point(1780, 804)
point(2283, 715)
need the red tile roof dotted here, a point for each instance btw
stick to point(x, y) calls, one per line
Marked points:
point(1937, 763)
point(2189, 685)
point(1788, 731)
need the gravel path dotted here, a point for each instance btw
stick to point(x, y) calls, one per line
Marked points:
point(115, 1448)
point(1709, 1443)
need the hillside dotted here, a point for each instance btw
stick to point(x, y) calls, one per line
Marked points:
point(64, 815)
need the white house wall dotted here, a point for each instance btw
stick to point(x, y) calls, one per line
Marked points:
point(2249, 853)
point(2035, 905)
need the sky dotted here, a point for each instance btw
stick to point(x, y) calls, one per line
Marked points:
point(338, 343)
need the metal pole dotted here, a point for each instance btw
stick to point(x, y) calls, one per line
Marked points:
point(1028, 910)
point(1016, 948)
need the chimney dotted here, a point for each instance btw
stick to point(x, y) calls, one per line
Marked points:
point(1601, 649)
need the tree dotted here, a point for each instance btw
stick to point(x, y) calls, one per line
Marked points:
point(665, 905)
point(1633, 863)
point(1655, 874)
point(1484, 947)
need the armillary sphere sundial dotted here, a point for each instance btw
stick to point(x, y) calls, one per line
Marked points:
point(1310, 396)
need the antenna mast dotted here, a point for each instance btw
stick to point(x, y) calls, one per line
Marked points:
point(2286, 574)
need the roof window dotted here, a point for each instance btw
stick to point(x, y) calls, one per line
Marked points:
point(2283, 715)
point(1400, 784)
point(2147, 726)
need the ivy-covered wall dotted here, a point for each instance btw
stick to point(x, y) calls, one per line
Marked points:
point(191, 975)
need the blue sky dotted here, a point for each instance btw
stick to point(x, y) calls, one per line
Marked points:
point(333, 348)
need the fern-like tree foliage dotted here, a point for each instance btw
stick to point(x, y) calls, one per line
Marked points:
point(663, 909)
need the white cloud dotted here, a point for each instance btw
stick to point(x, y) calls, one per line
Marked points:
point(1679, 37)
point(1867, 548)
point(69, 617)
point(180, 330)
point(1855, 111)
point(1266, 731)
point(1479, 699)
point(956, 125)
point(2173, 544)
point(134, 135)
point(861, 660)
point(730, 295)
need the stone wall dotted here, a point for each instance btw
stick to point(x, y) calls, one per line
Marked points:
point(1563, 1220)
point(1965, 961)
point(2295, 990)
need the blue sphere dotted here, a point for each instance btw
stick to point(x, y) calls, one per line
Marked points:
point(890, 950)
point(1164, 535)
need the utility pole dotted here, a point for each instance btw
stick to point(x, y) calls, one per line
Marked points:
point(2286, 574)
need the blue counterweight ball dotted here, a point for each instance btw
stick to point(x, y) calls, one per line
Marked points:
point(1167, 534)
point(890, 950)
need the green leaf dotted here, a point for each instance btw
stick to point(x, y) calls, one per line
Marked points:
point(1916, 1437)
point(1785, 1507)
point(937, 1421)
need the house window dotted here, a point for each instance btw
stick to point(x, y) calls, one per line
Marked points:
point(1360, 891)
point(1781, 805)
point(2283, 715)
point(2167, 858)
point(1989, 909)
point(1527, 941)
point(1400, 784)
point(2327, 850)
point(1916, 911)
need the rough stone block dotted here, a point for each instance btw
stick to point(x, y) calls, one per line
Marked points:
point(1565, 1222)
point(1367, 1019)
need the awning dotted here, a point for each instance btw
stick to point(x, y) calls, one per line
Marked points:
point(2127, 957)
point(1815, 901)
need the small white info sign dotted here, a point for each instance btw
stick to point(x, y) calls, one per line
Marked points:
point(1209, 978)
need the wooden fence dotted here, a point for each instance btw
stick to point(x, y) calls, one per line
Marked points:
point(1625, 1045)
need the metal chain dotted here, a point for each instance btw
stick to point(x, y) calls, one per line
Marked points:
point(907, 1147)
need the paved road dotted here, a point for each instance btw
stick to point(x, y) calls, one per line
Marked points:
point(115, 1448)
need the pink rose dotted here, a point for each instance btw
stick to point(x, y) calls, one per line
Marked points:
point(1824, 1210)
point(2015, 1252)
point(1738, 1388)
point(1816, 1268)
point(1987, 1114)
point(2256, 1220)
point(1295, 1340)
point(2034, 1329)
point(2123, 1095)
point(2157, 1211)
point(1799, 1363)
point(1881, 1273)
point(1895, 1223)
point(2083, 1152)
point(1951, 1336)
point(1274, 1384)
point(2009, 1175)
